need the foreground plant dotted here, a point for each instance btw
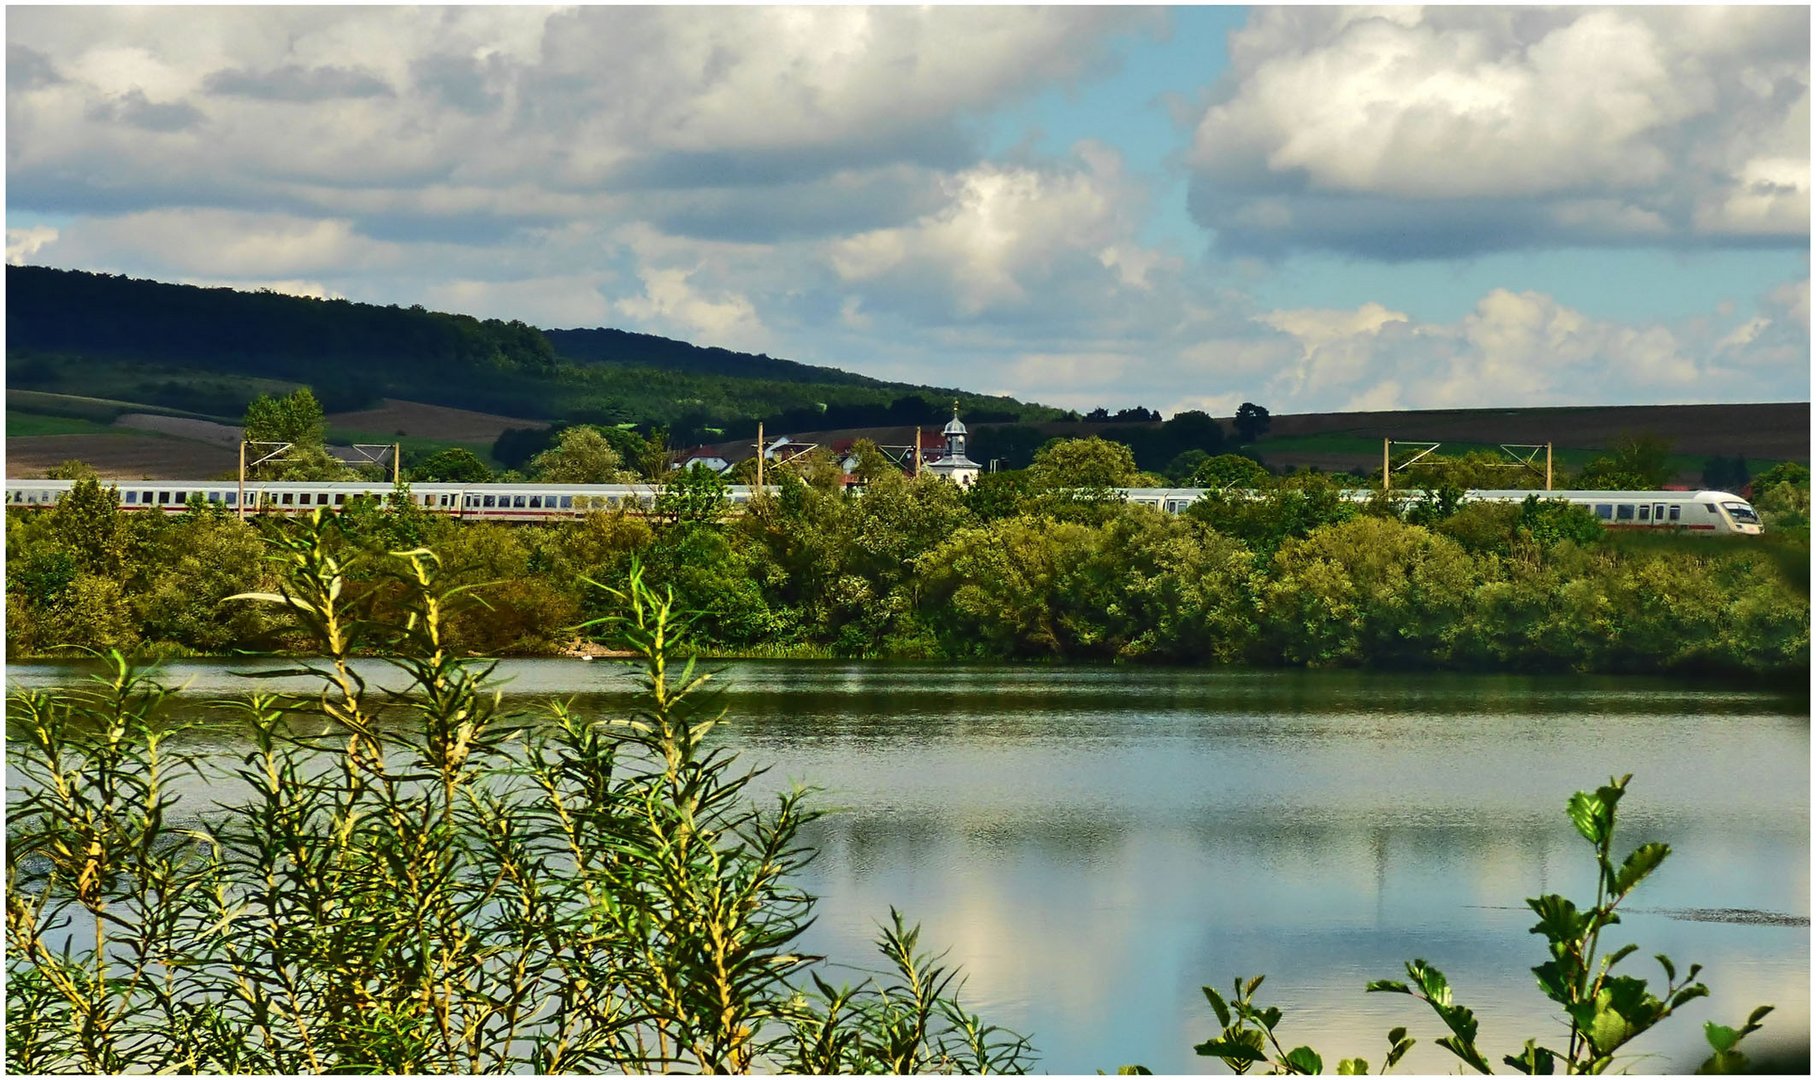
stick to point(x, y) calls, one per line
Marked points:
point(1604, 1011)
point(425, 881)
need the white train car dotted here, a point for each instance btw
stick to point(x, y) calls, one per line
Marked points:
point(1706, 512)
point(525, 502)
point(1712, 512)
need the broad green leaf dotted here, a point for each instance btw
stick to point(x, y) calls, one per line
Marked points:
point(1559, 920)
point(1388, 986)
point(1720, 1036)
point(1535, 1060)
point(1397, 1046)
point(1305, 1060)
point(1134, 1070)
point(1430, 980)
point(1230, 1050)
point(1585, 812)
point(1352, 1067)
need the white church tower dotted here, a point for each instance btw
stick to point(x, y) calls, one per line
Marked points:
point(953, 464)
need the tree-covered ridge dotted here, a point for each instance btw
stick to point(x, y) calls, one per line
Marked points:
point(77, 332)
point(603, 345)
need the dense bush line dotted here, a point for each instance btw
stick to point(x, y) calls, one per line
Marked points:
point(1025, 566)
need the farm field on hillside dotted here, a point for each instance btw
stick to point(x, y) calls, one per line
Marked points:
point(439, 422)
point(122, 455)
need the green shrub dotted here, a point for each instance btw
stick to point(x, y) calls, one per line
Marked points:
point(427, 882)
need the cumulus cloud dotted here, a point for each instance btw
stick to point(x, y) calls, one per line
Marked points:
point(569, 102)
point(1527, 348)
point(1446, 131)
point(23, 244)
point(292, 82)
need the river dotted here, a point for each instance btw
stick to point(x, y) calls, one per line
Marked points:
point(1095, 844)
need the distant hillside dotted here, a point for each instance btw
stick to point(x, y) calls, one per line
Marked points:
point(1351, 442)
point(603, 346)
point(211, 351)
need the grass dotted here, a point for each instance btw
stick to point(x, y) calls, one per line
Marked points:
point(98, 409)
point(24, 425)
point(413, 445)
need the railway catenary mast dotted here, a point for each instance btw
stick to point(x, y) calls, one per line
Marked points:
point(1703, 512)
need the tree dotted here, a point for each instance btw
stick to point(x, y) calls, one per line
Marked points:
point(581, 455)
point(695, 495)
point(73, 469)
point(1227, 472)
point(1251, 422)
point(1635, 463)
point(296, 418)
point(1066, 464)
point(454, 465)
point(1782, 495)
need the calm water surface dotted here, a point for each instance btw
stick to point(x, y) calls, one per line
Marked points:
point(1095, 844)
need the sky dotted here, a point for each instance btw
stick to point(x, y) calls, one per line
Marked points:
point(1313, 209)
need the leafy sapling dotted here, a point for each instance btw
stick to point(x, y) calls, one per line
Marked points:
point(1605, 1011)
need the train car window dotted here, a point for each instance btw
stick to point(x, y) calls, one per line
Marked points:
point(1623, 512)
point(163, 498)
point(132, 498)
point(287, 499)
point(1741, 513)
point(491, 500)
point(1605, 511)
point(1676, 512)
point(535, 502)
point(517, 502)
point(1710, 507)
point(145, 498)
point(567, 502)
point(231, 498)
point(1658, 511)
point(1645, 512)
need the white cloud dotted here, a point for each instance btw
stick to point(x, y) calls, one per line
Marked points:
point(22, 244)
point(671, 300)
point(1525, 348)
point(1533, 126)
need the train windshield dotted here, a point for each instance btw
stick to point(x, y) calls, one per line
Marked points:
point(1741, 513)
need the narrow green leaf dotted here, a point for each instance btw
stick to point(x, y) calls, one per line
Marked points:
point(1218, 1007)
point(1642, 862)
point(1388, 986)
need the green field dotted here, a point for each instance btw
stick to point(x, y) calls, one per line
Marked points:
point(413, 445)
point(23, 424)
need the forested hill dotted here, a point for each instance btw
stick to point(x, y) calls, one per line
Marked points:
point(211, 350)
point(605, 346)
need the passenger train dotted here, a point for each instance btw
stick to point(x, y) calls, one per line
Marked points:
point(1707, 512)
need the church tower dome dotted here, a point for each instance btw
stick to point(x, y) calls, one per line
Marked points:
point(954, 465)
